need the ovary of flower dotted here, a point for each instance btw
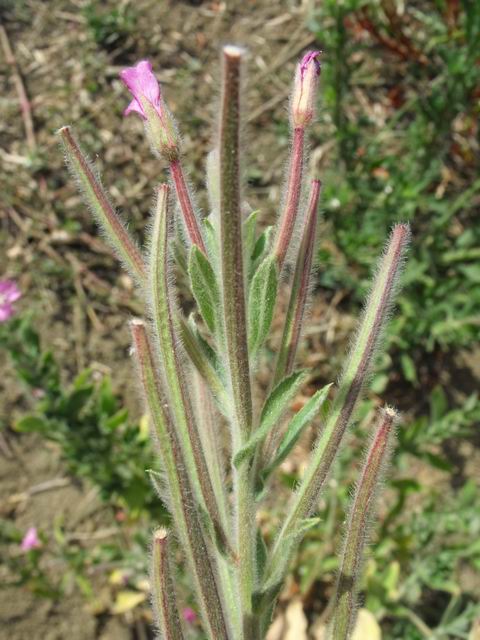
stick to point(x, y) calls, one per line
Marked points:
point(305, 89)
point(9, 293)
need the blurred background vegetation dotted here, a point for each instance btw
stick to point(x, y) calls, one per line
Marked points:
point(397, 138)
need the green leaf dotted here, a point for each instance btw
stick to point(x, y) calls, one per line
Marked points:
point(31, 424)
point(249, 229)
point(211, 240)
point(298, 423)
point(204, 287)
point(275, 406)
point(261, 303)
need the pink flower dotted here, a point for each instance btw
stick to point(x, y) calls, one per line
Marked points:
point(189, 615)
point(9, 292)
point(305, 89)
point(143, 85)
point(148, 103)
point(30, 540)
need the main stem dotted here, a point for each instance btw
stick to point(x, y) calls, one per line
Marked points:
point(233, 293)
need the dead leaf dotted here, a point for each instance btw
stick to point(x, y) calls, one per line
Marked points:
point(475, 630)
point(296, 622)
point(367, 627)
point(127, 600)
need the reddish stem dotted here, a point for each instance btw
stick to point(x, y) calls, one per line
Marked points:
point(294, 188)
point(186, 207)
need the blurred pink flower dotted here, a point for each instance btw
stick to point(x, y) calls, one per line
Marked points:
point(142, 84)
point(9, 292)
point(189, 615)
point(30, 540)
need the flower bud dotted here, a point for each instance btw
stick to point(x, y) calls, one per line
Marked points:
point(304, 90)
point(148, 103)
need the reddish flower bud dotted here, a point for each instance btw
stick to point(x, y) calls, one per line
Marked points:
point(305, 88)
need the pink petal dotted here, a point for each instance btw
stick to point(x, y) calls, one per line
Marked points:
point(142, 83)
point(311, 56)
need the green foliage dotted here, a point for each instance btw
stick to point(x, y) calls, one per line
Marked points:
point(261, 303)
point(204, 287)
point(296, 426)
point(406, 151)
point(276, 405)
point(86, 420)
point(109, 28)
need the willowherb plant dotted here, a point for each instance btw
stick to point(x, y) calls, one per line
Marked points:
point(197, 374)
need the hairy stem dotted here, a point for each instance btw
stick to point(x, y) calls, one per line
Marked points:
point(292, 197)
point(186, 207)
point(299, 292)
point(236, 346)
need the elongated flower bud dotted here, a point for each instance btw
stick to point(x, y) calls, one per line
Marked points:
point(361, 511)
point(101, 207)
point(149, 105)
point(350, 388)
point(305, 90)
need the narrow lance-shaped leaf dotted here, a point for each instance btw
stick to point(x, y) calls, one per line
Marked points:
point(351, 384)
point(260, 251)
point(292, 327)
point(261, 303)
point(100, 206)
point(249, 238)
point(183, 506)
point(205, 288)
point(164, 599)
point(205, 361)
point(356, 530)
point(163, 313)
point(295, 428)
point(275, 406)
